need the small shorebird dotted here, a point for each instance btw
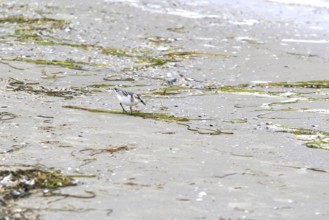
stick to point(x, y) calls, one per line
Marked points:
point(128, 98)
point(170, 79)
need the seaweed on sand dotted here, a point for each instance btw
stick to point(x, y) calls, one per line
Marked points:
point(174, 90)
point(29, 87)
point(156, 116)
point(313, 84)
point(34, 23)
point(109, 149)
point(70, 64)
point(312, 138)
point(19, 183)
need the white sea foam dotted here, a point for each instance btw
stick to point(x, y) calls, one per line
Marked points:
point(247, 22)
point(305, 41)
point(321, 111)
point(314, 3)
point(174, 11)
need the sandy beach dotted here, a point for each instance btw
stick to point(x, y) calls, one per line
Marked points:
point(242, 134)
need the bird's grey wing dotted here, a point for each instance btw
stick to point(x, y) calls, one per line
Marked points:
point(126, 93)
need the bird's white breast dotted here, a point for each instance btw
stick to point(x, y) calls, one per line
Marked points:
point(127, 100)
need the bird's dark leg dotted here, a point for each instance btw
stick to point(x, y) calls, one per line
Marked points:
point(123, 109)
point(131, 109)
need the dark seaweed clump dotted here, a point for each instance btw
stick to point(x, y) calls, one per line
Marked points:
point(16, 184)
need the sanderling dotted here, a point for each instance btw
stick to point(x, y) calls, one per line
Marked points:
point(128, 98)
point(171, 81)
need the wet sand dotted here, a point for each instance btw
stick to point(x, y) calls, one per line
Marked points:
point(170, 169)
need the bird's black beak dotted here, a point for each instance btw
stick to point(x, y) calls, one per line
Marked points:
point(141, 100)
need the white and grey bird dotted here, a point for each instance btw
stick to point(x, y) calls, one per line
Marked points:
point(128, 98)
point(170, 79)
